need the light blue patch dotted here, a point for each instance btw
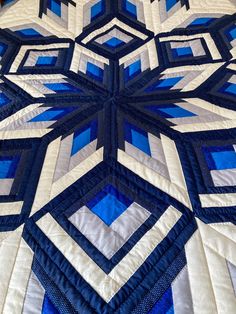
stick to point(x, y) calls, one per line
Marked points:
point(224, 160)
point(114, 42)
point(96, 9)
point(140, 141)
point(80, 141)
point(109, 209)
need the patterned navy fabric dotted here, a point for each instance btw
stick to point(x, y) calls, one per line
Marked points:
point(117, 156)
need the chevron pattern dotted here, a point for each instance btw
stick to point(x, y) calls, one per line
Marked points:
point(117, 156)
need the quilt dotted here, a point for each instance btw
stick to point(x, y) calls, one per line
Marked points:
point(118, 156)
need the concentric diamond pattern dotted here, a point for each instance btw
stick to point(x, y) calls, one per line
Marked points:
point(117, 156)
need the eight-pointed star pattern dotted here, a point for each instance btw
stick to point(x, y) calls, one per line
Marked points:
point(117, 156)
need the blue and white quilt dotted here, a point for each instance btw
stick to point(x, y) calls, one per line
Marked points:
point(118, 157)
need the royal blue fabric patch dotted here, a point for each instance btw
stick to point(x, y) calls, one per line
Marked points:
point(224, 160)
point(231, 89)
point(137, 137)
point(83, 137)
point(202, 21)
point(172, 112)
point(117, 156)
point(8, 166)
point(109, 204)
point(52, 114)
point(170, 4)
point(233, 33)
point(3, 48)
point(62, 87)
point(185, 51)
point(46, 61)
point(97, 9)
point(81, 140)
point(132, 70)
point(130, 8)
point(55, 7)
point(164, 84)
point(114, 42)
point(167, 83)
point(4, 100)
point(29, 32)
point(220, 157)
point(108, 209)
point(94, 71)
point(48, 307)
point(164, 305)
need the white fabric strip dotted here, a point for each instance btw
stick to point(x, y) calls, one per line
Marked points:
point(108, 285)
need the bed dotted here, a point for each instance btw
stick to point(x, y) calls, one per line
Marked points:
point(118, 156)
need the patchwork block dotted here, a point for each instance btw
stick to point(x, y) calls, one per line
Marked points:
point(103, 232)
